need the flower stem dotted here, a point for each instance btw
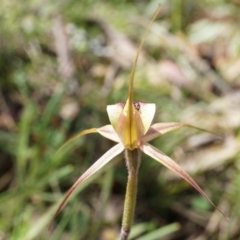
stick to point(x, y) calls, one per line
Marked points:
point(133, 158)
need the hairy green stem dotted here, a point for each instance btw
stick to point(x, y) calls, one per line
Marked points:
point(133, 158)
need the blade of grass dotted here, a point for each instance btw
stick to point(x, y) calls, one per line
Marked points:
point(162, 232)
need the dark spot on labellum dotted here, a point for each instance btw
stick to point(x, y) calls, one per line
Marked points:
point(137, 105)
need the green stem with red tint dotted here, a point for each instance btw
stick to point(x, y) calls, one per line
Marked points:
point(133, 159)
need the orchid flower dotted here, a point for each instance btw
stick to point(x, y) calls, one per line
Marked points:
point(131, 129)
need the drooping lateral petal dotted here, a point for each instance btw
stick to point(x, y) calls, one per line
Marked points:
point(108, 132)
point(109, 155)
point(147, 112)
point(172, 165)
point(158, 129)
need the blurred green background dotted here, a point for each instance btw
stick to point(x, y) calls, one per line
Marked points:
point(63, 62)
